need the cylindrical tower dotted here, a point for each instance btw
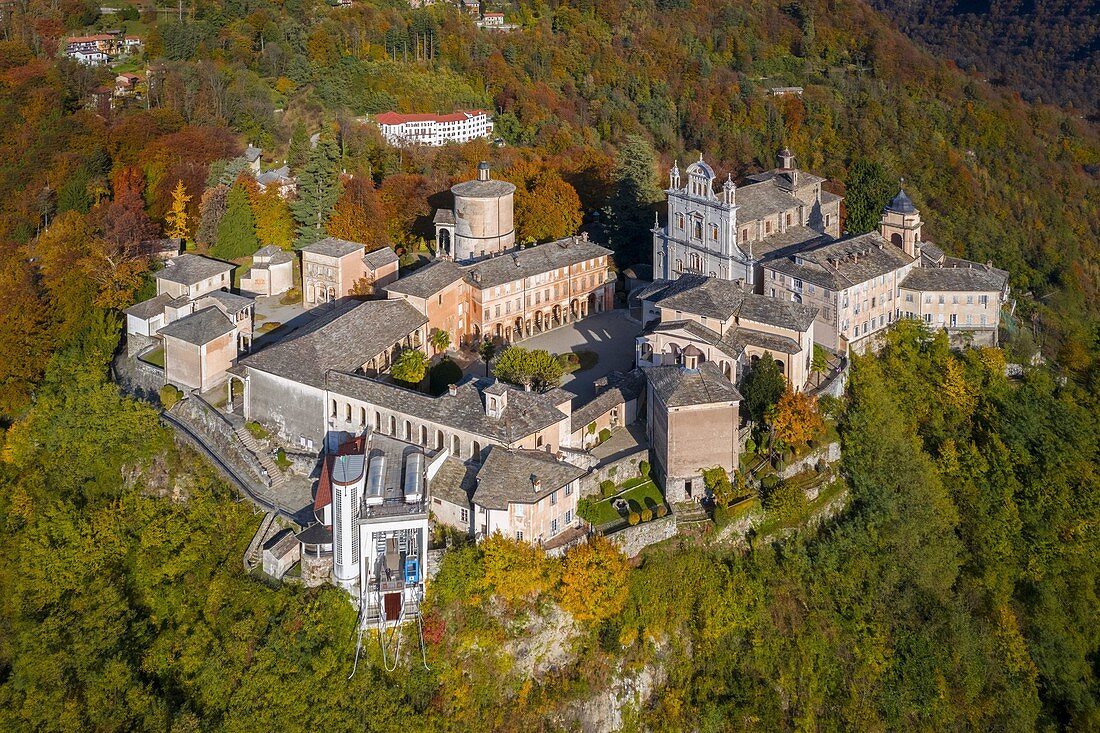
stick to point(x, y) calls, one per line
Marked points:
point(483, 216)
point(348, 474)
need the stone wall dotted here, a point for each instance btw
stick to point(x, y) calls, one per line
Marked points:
point(617, 471)
point(633, 540)
point(432, 563)
point(218, 431)
point(830, 452)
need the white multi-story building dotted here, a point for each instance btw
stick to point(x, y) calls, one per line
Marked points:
point(428, 129)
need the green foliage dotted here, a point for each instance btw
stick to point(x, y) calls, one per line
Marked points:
point(237, 228)
point(605, 435)
point(440, 340)
point(717, 482)
point(409, 367)
point(762, 387)
point(869, 188)
point(643, 469)
point(534, 368)
point(169, 396)
point(786, 502)
point(258, 431)
point(607, 487)
point(318, 191)
point(636, 194)
point(281, 460)
point(445, 373)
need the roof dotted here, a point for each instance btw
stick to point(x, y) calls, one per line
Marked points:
point(397, 118)
point(717, 298)
point(251, 153)
point(275, 255)
point(616, 388)
point(677, 386)
point(229, 302)
point(315, 534)
point(444, 216)
point(759, 200)
point(333, 247)
point(200, 327)
point(844, 262)
point(380, 257)
point(785, 243)
point(344, 340)
point(524, 414)
point(454, 482)
point(90, 39)
point(535, 260)
point(151, 308)
point(901, 204)
point(428, 280)
point(697, 331)
point(281, 544)
point(739, 338)
point(274, 176)
point(489, 189)
point(958, 278)
point(191, 269)
point(509, 476)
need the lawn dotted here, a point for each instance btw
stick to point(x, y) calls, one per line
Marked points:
point(578, 361)
point(268, 327)
point(154, 357)
point(639, 494)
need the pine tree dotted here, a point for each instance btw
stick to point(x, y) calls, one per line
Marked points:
point(176, 219)
point(636, 192)
point(869, 189)
point(298, 151)
point(318, 191)
point(237, 229)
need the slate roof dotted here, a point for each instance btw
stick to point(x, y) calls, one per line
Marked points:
point(716, 298)
point(508, 476)
point(229, 302)
point(274, 176)
point(956, 278)
point(786, 243)
point(680, 387)
point(333, 247)
point(428, 280)
point(779, 175)
point(315, 534)
point(380, 257)
point(490, 189)
point(151, 308)
point(444, 216)
point(617, 389)
point(191, 269)
point(902, 204)
point(454, 482)
point(759, 200)
point(343, 340)
point(931, 253)
point(844, 262)
point(200, 327)
point(533, 261)
point(742, 337)
point(251, 153)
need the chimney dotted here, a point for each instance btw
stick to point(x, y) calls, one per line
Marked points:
point(483, 171)
point(452, 389)
point(536, 484)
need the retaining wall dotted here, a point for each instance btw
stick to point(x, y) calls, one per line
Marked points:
point(633, 540)
point(830, 452)
point(618, 471)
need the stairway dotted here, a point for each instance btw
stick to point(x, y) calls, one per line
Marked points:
point(275, 476)
point(255, 553)
point(689, 514)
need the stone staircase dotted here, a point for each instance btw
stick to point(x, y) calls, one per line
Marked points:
point(689, 514)
point(275, 476)
point(254, 555)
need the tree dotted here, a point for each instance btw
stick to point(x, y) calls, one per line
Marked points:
point(176, 220)
point(819, 362)
point(318, 191)
point(440, 340)
point(358, 215)
point(487, 349)
point(534, 369)
point(409, 367)
point(762, 387)
point(546, 207)
point(594, 582)
point(635, 194)
point(211, 210)
point(717, 481)
point(274, 224)
point(237, 228)
point(125, 222)
point(797, 419)
point(298, 150)
point(515, 571)
point(442, 375)
point(869, 189)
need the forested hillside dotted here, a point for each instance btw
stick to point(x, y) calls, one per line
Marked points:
point(958, 591)
point(1047, 50)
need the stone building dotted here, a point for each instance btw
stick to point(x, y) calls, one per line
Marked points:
point(728, 234)
point(199, 349)
point(271, 273)
point(698, 319)
point(190, 275)
point(692, 422)
point(481, 224)
point(284, 383)
point(333, 269)
point(514, 295)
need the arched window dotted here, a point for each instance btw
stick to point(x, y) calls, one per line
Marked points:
point(895, 239)
point(475, 451)
point(714, 232)
point(377, 420)
point(393, 426)
point(362, 416)
point(408, 431)
point(679, 265)
point(347, 412)
point(456, 447)
point(697, 229)
point(439, 440)
point(423, 436)
point(334, 408)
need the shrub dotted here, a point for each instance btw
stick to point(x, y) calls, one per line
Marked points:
point(643, 469)
point(769, 482)
point(258, 432)
point(750, 446)
point(607, 487)
point(445, 373)
point(281, 460)
point(662, 510)
point(604, 435)
point(169, 396)
point(786, 502)
point(584, 510)
point(647, 514)
point(634, 518)
point(591, 429)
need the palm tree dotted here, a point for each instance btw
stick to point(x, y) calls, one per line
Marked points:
point(487, 351)
point(819, 362)
point(440, 340)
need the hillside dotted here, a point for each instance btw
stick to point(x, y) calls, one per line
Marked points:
point(1047, 51)
point(958, 590)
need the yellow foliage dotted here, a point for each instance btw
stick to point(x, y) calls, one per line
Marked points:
point(594, 580)
point(957, 389)
point(516, 571)
point(176, 219)
point(797, 418)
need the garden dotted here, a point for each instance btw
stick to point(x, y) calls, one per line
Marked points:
point(630, 502)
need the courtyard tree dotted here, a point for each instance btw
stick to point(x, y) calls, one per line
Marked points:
point(594, 583)
point(762, 387)
point(358, 215)
point(487, 350)
point(440, 340)
point(535, 369)
point(274, 224)
point(409, 367)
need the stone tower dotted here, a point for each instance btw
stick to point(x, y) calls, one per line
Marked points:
point(901, 224)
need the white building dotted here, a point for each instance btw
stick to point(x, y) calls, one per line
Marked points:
point(428, 129)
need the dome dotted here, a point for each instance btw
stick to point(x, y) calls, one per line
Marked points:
point(902, 204)
point(702, 169)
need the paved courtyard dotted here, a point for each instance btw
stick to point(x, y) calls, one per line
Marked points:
point(609, 334)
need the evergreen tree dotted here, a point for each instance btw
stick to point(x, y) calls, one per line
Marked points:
point(636, 193)
point(869, 189)
point(298, 150)
point(762, 387)
point(318, 191)
point(237, 229)
point(211, 210)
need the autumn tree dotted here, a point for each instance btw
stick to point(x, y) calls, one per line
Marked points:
point(516, 572)
point(594, 582)
point(358, 215)
point(546, 207)
point(797, 418)
point(124, 220)
point(274, 223)
point(176, 220)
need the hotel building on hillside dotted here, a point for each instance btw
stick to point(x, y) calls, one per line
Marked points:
point(427, 129)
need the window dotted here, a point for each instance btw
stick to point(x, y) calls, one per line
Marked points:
point(908, 297)
point(697, 230)
point(941, 300)
point(334, 408)
point(519, 535)
point(954, 300)
point(983, 300)
point(970, 300)
point(927, 298)
point(767, 227)
point(568, 489)
point(553, 526)
point(714, 232)
point(788, 218)
point(569, 517)
point(464, 515)
point(553, 498)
